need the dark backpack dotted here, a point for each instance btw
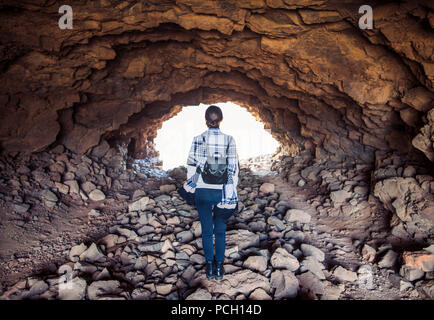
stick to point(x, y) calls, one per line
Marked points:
point(215, 170)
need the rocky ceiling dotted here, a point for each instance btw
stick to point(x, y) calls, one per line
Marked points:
point(304, 68)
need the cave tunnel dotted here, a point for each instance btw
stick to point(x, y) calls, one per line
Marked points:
point(351, 107)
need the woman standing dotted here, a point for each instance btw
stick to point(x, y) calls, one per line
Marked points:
point(215, 203)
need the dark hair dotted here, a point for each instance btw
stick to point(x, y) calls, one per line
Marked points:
point(213, 110)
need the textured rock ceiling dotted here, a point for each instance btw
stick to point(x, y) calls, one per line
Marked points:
point(304, 68)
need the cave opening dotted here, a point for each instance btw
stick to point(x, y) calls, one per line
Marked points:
point(174, 137)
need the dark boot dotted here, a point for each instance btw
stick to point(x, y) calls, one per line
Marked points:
point(219, 270)
point(209, 266)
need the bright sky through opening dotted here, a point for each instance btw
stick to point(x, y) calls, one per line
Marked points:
point(174, 138)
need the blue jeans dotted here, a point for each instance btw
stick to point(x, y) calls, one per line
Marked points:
point(205, 199)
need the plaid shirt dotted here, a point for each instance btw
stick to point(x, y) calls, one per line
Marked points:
point(218, 142)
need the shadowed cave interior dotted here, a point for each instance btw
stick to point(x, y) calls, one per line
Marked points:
point(352, 110)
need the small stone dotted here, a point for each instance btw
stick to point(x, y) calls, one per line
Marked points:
point(340, 196)
point(259, 294)
point(241, 238)
point(73, 186)
point(258, 263)
point(429, 249)
point(286, 284)
point(309, 250)
point(76, 251)
point(295, 235)
point(57, 167)
point(63, 188)
point(93, 213)
point(139, 193)
point(331, 291)
point(409, 171)
point(196, 228)
point(100, 150)
point(167, 188)
point(92, 254)
point(184, 236)
point(163, 197)
point(127, 233)
point(143, 219)
point(141, 294)
point(151, 247)
point(141, 263)
point(343, 274)
point(88, 187)
point(145, 230)
point(241, 281)
point(49, 196)
point(167, 245)
point(98, 289)
point(405, 285)
point(311, 282)
point(174, 220)
point(96, 195)
point(21, 208)
point(139, 205)
point(276, 222)
point(283, 259)
point(411, 274)
point(266, 187)
point(109, 240)
point(196, 258)
point(37, 288)
point(368, 253)
point(297, 215)
point(58, 149)
point(313, 265)
point(361, 190)
point(83, 195)
point(187, 214)
point(389, 259)
point(199, 294)
point(421, 260)
point(164, 289)
point(103, 275)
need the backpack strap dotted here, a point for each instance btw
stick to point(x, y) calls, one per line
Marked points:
point(206, 144)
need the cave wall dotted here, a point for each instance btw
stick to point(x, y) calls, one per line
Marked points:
point(304, 68)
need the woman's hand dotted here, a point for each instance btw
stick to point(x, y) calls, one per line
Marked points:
point(190, 184)
point(228, 197)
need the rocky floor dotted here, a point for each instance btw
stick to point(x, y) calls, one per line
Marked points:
point(144, 242)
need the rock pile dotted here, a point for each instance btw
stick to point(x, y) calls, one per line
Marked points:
point(153, 248)
point(49, 198)
point(339, 191)
point(155, 251)
point(351, 196)
point(406, 190)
